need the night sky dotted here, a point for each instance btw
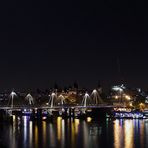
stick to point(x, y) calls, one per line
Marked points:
point(46, 42)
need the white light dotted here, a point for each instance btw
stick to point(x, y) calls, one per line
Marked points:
point(86, 95)
point(53, 94)
point(116, 97)
point(94, 91)
point(117, 88)
point(13, 93)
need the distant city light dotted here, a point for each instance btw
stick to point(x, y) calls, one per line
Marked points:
point(89, 119)
point(130, 104)
point(127, 97)
point(116, 97)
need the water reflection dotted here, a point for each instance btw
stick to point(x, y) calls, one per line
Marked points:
point(73, 133)
point(30, 133)
point(146, 132)
point(76, 125)
point(25, 128)
point(123, 134)
point(129, 134)
point(52, 135)
point(44, 127)
point(85, 134)
point(36, 134)
point(63, 134)
point(142, 134)
point(59, 128)
point(117, 134)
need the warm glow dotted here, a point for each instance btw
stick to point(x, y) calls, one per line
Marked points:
point(116, 97)
point(72, 133)
point(89, 119)
point(128, 132)
point(59, 127)
point(127, 97)
point(36, 136)
point(44, 131)
point(77, 122)
point(142, 105)
point(130, 104)
point(117, 134)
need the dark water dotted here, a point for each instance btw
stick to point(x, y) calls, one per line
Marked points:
point(60, 133)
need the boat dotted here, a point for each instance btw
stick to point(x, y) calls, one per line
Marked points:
point(128, 114)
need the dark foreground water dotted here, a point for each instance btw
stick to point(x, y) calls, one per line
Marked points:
point(60, 133)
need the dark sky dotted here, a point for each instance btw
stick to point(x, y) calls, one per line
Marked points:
point(46, 42)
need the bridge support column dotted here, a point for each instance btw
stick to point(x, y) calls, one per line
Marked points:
point(39, 114)
point(49, 115)
point(70, 112)
point(32, 116)
point(73, 112)
point(65, 114)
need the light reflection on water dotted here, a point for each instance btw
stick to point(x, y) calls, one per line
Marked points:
point(129, 134)
point(30, 133)
point(36, 136)
point(73, 133)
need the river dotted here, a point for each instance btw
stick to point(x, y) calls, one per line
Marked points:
point(72, 133)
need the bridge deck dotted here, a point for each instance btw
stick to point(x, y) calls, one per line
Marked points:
point(57, 107)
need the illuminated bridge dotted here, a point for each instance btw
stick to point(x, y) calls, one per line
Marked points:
point(90, 105)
